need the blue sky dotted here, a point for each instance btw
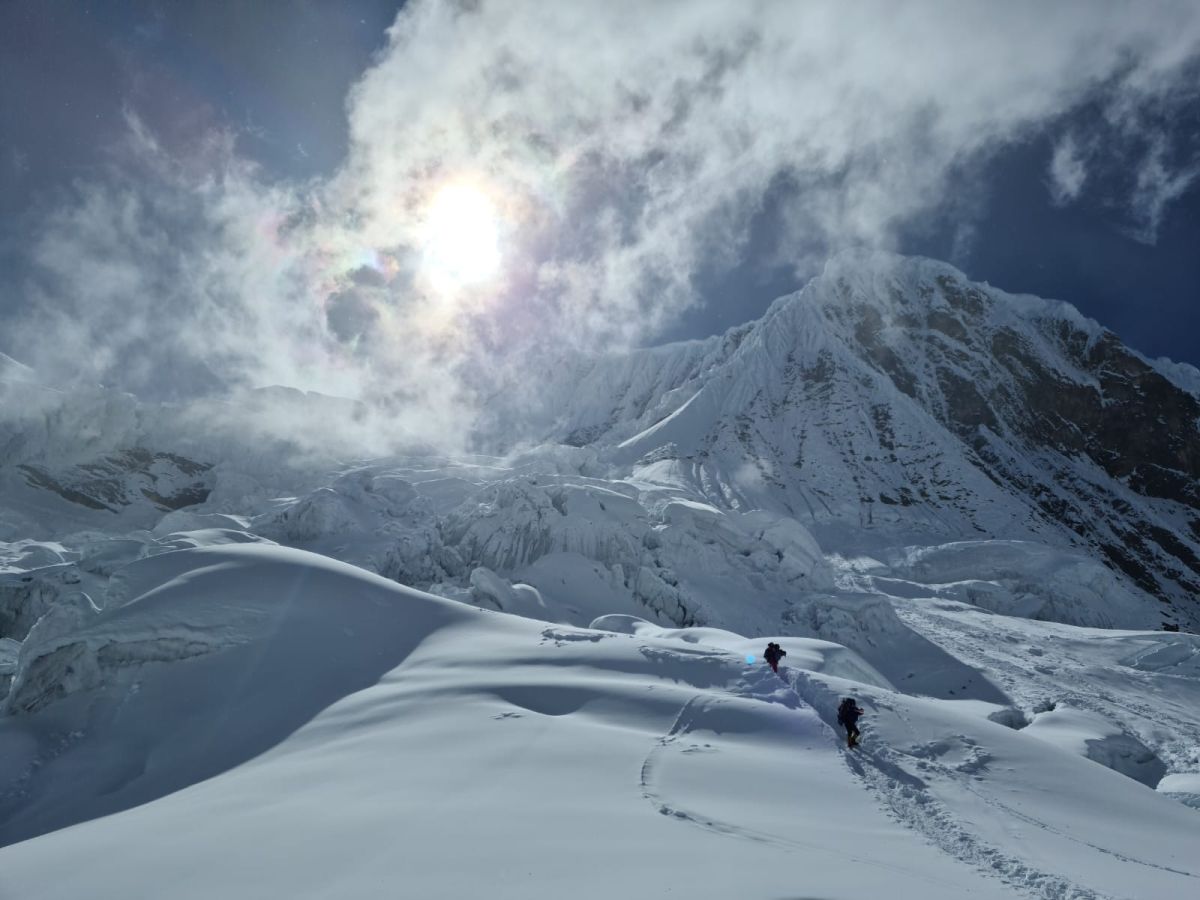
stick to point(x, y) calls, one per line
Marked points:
point(662, 172)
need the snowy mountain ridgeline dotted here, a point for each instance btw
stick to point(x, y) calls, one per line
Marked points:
point(972, 510)
point(894, 403)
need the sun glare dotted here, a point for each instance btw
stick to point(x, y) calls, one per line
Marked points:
point(461, 238)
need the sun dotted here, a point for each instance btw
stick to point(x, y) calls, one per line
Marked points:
point(461, 239)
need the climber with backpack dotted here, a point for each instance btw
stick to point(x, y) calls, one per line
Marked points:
point(848, 714)
point(774, 653)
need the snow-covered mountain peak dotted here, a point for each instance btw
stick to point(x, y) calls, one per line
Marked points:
point(904, 295)
point(892, 400)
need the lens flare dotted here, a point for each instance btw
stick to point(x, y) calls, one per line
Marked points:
point(461, 240)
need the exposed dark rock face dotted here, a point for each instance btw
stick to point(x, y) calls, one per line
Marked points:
point(1094, 404)
point(166, 480)
point(27, 596)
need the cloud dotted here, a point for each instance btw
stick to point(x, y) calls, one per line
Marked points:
point(628, 147)
point(1136, 160)
point(1134, 145)
point(1157, 185)
point(18, 161)
point(1068, 171)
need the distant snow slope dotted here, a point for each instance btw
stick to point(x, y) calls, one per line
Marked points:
point(355, 737)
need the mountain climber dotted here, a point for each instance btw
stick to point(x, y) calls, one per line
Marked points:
point(774, 653)
point(848, 714)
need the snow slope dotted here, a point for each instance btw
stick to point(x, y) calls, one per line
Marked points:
point(323, 732)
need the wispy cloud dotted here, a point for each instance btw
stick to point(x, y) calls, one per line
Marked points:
point(1157, 186)
point(18, 161)
point(1068, 171)
point(626, 145)
point(1134, 146)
